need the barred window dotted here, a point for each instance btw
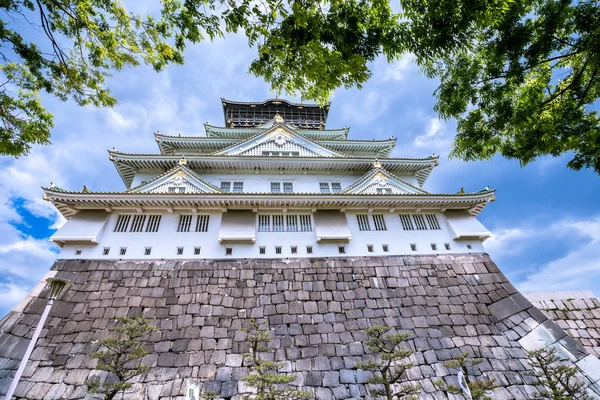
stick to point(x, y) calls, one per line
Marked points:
point(264, 223)
point(305, 223)
point(363, 222)
point(420, 222)
point(292, 223)
point(138, 223)
point(379, 222)
point(226, 186)
point(123, 251)
point(179, 251)
point(238, 187)
point(284, 223)
point(185, 222)
point(106, 251)
point(153, 223)
point(122, 223)
point(147, 251)
point(330, 187)
point(336, 187)
point(275, 187)
point(288, 187)
point(277, 249)
point(324, 187)
point(202, 223)
point(407, 224)
point(432, 221)
point(262, 250)
point(309, 250)
point(197, 250)
point(277, 223)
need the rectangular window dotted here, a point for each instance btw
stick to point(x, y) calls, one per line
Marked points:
point(262, 250)
point(294, 249)
point(469, 247)
point(138, 223)
point(363, 222)
point(238, 187)
point(228, 251)
point(288, 187)
point(123, 251)
point(433, 222)
point(226, 186)
point(407, 224)
point(153, 223)
point(379, 222)
point(202, 223)
point(420, 222)
point(370, 248)
point(78, 252)
point(179, 251)
point(447, 246)
point(277, 223)
point(433, 246)
point(197, 251)
point(324, 187)
point(341, 250)
point(185, 222)
point(384, 191)
point(305, 223)
point(147, 251)
point(292, 223)
point(277, 249)
point(122, 223)
point(309, 250)
point(177, 189)
point(336, 187)
point(106, 251)
point(263, 223)
point(330, 187)
point(385, 247)
point(413, 246)
point(275, 187)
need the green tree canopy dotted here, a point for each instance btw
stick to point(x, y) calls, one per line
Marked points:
point(521, 77)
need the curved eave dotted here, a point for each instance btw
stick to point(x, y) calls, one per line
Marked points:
point(128, 164)
point(171, 144)
point(69, 203)
point(243, 133)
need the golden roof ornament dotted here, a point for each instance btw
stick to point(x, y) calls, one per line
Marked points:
point(278, 118)
point(462, 190)
point(51, 185)
point(182, 161)
point(377, 164)
point(85, 189)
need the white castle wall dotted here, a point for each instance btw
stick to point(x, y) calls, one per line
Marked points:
point(165, 242)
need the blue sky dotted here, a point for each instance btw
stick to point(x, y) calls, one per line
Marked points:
point(545, 221)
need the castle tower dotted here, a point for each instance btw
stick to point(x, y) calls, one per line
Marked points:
point(276, 217)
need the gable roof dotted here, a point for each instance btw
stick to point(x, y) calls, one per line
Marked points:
point(179, 176)
point(279, 137)
point(379, 178)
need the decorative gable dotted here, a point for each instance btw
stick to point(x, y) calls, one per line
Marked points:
point(279, 141)
point(379, 181)
point(179, 180)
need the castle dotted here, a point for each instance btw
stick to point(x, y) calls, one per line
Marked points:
point(273, 216)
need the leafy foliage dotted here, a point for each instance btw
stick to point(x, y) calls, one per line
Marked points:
point(478, 388)
point(263, 374)
point(521, 77)
point(555, 380)
point(121, 356)
point(389, 365)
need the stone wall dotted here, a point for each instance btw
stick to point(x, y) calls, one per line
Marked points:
point(317, 310)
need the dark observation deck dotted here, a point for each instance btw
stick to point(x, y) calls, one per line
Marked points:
point(251, 114)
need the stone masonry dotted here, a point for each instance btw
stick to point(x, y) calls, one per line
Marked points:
point(316, 309)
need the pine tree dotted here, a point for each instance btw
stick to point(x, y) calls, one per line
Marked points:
point(263, 374)
point(121, 356)
point(478, 388)
point(389, 365)
point(554, 380)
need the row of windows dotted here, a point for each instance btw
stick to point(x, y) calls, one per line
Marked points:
point(276, 187)
point(185, 223)
point(284, 223)
point(410, 222)
point(278, 249)
point(137, 223)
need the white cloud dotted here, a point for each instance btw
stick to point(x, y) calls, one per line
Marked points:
point(372, 106)
point(578, 269)
point(10, 295)
point(398, 70)
point(437, 137)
